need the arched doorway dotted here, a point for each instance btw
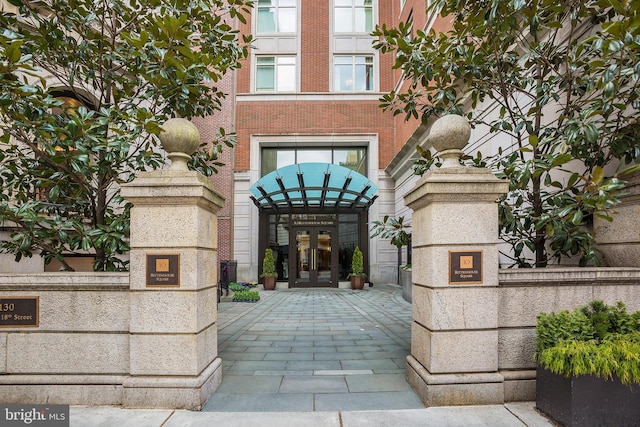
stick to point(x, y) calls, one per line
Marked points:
point(313, 215)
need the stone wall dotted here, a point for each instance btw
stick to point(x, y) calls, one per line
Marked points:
point(523, 293)
point(79, 352)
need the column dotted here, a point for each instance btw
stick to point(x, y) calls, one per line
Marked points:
point(454, 335)
point(174, 359)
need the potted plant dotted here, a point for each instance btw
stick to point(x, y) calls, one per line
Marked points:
point(589, 365)
point(269, 270)
point(399, 233)
point(357, 270)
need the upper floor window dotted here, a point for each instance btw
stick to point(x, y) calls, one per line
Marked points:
point(276, 16)
point(353, 16)
point(352, 157)
point(353, 73)
point(276, 73)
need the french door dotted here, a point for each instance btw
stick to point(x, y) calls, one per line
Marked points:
point(315, 261)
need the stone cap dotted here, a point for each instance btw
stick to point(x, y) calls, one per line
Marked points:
point(448, 136)
point(172, 187)
point(180, 139)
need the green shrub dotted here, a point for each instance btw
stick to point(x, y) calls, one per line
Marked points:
point(269, 264)
point(246, 296)
point(242, 286)
point(595, 339)
point(357, 266)
point(237, 287)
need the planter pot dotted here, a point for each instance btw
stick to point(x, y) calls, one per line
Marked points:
point(357, 282)
point(587, 400)
point(405, 282)
point(269, 283)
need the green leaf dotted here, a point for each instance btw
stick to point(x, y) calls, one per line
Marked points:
point(597, 175)
point(561, 160)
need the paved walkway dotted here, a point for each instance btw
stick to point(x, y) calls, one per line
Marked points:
point(315, 358)
point(315, 350)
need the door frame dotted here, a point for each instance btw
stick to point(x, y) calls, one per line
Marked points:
point(362, 240)
point(314, 231)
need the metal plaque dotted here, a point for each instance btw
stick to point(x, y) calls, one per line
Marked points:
point(19, 312)
point(465, 267)
point(163, 270)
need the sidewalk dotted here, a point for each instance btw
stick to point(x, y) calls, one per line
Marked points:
point(512, 414)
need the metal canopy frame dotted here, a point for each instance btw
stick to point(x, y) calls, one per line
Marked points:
point(310, 187)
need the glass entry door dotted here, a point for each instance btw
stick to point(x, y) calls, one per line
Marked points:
point(314, 263)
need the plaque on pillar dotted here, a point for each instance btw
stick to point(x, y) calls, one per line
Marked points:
point(19, 312)
point(163, 270)
point(465, 267)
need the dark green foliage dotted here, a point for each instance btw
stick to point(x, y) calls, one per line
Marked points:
point(133, 64)
point(241, 286)
point(392, 228)
point(235, 287)
point(596, 339)
point(563, 82)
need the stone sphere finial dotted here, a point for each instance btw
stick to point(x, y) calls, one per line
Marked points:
point(448, 136)
point(180, 139)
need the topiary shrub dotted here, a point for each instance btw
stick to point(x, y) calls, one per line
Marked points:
point(269, 264)
point(357, 266)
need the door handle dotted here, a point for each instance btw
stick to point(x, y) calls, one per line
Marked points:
point(314, 261)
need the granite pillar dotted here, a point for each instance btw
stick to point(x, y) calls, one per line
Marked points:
point(174, 359)
point(454, 336)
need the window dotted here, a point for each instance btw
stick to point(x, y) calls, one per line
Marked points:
point(276, 16)
point(353, 16)
point(354, 158)
point(353, 73)
point(275, 73)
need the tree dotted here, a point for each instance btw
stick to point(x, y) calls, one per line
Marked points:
point(85, 86)
point(562, 78)
point(395, 229)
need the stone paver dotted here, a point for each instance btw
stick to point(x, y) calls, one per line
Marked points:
point(328, 349)
point(512, 414)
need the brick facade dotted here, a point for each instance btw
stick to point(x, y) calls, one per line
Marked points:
point(223, 180)
point(315, 109)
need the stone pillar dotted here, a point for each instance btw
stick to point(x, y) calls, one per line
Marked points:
point(454, 335)
point(174, 359)
point(619, 240)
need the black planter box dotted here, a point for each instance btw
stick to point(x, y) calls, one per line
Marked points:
point(587, 400)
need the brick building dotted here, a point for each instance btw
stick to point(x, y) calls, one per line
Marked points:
point(309, 93)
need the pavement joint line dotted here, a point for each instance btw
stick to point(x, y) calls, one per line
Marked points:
point(344, 372)
point(284, 373)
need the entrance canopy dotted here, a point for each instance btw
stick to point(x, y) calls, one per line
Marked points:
point(311, 186)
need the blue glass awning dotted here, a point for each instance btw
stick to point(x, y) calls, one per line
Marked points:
point(310, 186)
